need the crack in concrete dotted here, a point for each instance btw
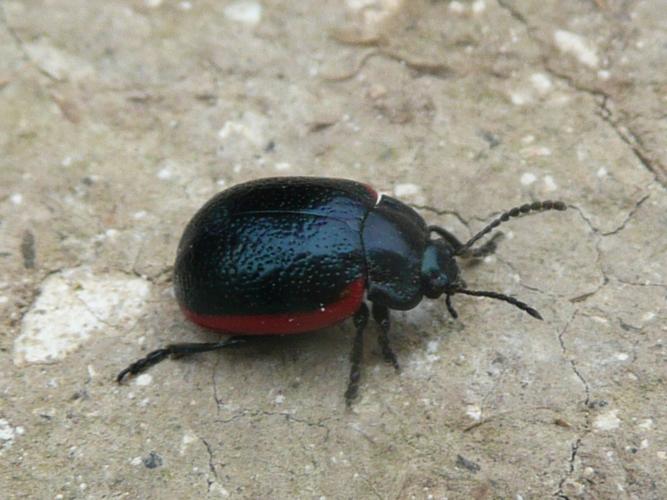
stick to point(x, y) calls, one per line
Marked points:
point(573, 364)
point(633, 140)
point(625, 133)
point(21, 46)
point(211, 464)
point(587, 400)
point(13, 35)
point(629, 136)
point(254, 412)
point(485, 398)
point(437, 211)
point(633, 283)
point(599, 235)
point(518, 16)
point(520, 282)
point(629, 216)
point(425, 67)
point(218, 402)
point(573, 457)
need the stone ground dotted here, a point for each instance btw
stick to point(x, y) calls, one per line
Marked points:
point(119, 118)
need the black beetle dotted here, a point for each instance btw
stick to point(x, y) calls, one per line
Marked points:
point(295, 254)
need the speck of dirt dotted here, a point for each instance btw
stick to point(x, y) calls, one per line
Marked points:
point(152, 461)
point(28, 249)
point(467, 464)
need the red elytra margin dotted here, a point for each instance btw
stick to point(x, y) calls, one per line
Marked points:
point(285, 323)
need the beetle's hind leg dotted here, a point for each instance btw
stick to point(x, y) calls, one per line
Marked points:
point(381, 317)
point(175, 351)
point(360, 321)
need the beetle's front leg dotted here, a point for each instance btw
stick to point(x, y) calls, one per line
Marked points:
point(381, 316)
point(487, 248)
point(360, 321)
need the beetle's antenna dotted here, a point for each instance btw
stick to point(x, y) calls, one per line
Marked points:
point(528, 208)
point(506, 298)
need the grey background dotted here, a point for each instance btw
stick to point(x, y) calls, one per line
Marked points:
point(118, 119)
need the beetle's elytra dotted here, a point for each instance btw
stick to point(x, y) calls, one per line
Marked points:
point(295, 254)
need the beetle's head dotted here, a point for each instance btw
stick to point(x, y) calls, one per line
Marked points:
point(439, 271)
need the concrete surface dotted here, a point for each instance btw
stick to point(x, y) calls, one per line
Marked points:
point(118, 119)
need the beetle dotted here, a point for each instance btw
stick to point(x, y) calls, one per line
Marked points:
point(289, 255)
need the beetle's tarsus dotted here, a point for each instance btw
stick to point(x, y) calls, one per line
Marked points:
point(487, 248)
point(360, 321)
point(450, 307)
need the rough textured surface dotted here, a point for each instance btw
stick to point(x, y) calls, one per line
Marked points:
point(118, 119)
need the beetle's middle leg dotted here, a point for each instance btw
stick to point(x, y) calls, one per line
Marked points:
point(381, 317)
point(360, 321)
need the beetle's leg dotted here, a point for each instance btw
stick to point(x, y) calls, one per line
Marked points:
point(175, 351)
point(487, 248)
point(447, 236)
point(381, 316)
point(477, 253)
point(450, 307)
point(360, 321)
